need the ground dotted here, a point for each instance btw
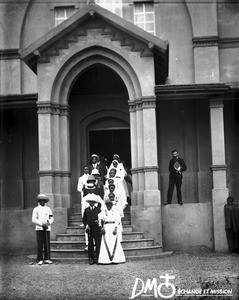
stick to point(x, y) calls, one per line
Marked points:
point(193, 272)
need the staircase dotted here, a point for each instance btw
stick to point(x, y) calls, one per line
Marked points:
point(70, 245)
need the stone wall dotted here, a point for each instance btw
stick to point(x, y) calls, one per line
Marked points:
point(188, 227)
point(17, 232)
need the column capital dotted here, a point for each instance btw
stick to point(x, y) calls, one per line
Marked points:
point(145, 169)
point(137, 170)
point(151, 169)
point(216, 102)
point(47, 107)
point(134, 104)
point(218, 167)
point(142, 103)
point(54, 173)
point(149, 102)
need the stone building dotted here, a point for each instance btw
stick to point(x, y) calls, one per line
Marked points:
point(142, 77)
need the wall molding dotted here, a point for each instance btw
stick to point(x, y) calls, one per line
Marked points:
point(145, 169)
point(142, 103)
point(229, 42)
point(53, 109)
point(8, 54)
point(205, 41)
point(18, 100)
point(210, 41)
point(54, 173)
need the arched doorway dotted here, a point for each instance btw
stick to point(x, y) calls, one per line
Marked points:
point(109, 136)
point(99, 119)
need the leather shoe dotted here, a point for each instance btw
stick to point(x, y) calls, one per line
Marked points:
point(181, 203)
point(91, 262)
point(166, 203)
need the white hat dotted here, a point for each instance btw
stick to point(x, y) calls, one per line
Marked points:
point(95, 172)
point(42, 197)
point(92, 197)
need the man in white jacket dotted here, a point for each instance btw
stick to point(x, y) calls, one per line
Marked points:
point(42, 217)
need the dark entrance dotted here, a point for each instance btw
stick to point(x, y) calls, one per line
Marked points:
point(108, 142)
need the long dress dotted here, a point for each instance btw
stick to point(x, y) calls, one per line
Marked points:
point(119, 191)
point(111, 250)
point(120, 173)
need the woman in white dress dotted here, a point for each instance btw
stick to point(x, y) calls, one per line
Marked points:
point(119, 188)
point(111, 250)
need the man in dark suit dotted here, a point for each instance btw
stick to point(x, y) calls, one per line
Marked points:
point(176, 167)
point(99, 187)
point(96, 164)
point(91, 223)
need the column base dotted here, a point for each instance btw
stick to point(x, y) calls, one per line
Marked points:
point(219, 197)
point(148, 220)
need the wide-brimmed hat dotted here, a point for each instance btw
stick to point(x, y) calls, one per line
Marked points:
point(95, 172)
point(90, 178)
point(90, 186)
point(94, 155)
point(42, 197)
point(92, 197)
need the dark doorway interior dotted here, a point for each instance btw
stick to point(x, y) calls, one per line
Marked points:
point(108, 142)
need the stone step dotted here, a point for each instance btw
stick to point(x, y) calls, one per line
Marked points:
point(134, 253)
point(73, 223)
point(81, 230)
point(132, 235)
point(64, 237)
point(81, 236)
point(137, 243)
point(127, 228)
point(141, 243)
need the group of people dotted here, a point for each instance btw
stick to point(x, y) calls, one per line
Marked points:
point(104, 192)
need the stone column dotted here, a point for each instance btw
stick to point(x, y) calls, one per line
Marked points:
point(54, 178)
point(65, 155)
point(151, 192)
point(146, 212)
point(219, 191)
point(134, 151)
point(140, 152)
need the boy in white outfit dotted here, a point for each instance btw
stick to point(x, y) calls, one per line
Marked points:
point(42, 217)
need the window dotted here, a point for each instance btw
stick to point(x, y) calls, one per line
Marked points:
point(144, 16)
point(115, 6)
point(63, 13)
